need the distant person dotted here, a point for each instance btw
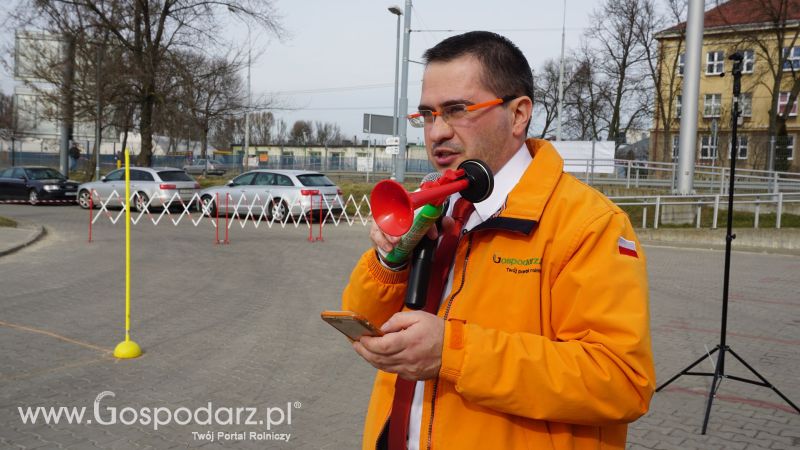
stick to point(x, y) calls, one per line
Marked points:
point(74, 156)
point(536, 333)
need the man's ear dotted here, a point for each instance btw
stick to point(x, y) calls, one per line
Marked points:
point(522, 108)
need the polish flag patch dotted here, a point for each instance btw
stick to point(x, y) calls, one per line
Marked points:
point(627, 247)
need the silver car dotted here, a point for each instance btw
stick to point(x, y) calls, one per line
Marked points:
point(275, 194)
point(151, 187)
point(205, 167)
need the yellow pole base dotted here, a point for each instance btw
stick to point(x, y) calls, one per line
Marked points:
point(127, 350)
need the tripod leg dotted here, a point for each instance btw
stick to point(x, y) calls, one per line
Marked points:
point(715, 384)
point(691, 366)
point(764, 380)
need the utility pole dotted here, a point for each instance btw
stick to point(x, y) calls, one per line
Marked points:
point(403, 107)
point(67, 103)
point(98, 124)
point(691, 93)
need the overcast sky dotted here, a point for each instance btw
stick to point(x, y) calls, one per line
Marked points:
point(338, 61)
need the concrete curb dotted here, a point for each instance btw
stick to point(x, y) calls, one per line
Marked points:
point(37, 232)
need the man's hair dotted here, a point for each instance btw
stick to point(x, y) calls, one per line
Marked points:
point(505, 69)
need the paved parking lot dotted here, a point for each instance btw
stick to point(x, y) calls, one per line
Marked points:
point(235, 329)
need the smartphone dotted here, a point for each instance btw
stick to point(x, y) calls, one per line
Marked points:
point(352, 325)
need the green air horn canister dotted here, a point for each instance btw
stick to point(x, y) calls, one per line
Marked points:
point(428, 214)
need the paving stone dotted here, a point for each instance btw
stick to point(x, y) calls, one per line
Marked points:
point(238, 326)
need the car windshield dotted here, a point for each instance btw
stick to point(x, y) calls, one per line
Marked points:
point(174, 175)
point(315, 179)
point(44, 174)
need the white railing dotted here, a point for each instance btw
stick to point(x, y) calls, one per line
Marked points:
point(652, 174)
point(754, 202)
point(223, 214)
point(255, 210)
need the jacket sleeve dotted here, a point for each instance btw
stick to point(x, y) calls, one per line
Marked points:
point(599, 367)
point(373, 290)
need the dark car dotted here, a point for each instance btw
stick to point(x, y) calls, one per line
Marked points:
point(36, 184)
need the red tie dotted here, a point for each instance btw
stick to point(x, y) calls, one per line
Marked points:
point(442, 259)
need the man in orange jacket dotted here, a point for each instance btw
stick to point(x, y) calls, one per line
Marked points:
point(541, 340)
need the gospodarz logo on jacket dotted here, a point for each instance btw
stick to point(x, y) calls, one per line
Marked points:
point(519, 265)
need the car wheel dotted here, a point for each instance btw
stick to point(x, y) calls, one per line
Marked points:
point(33, 197)
point(278, 211)
point(140, 202)
point(84, 199)
point(204, 205)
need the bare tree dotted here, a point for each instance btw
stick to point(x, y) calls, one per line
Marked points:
point(261, 124)
point(771, 43)
point(662, 70)
point(587, 105)
point(327, 133)
point(281, 132)
point(620, 57)
point(207, 91)
point(545, 91)
point(6, 116)
point(147, 31)
point(302, 133)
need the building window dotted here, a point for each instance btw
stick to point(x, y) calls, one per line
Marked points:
point(785, 146)
point(708, 147)
point(681, 63)
point(746, 104)
point(712, 104)
point(783, 99)
point(743, 141)
point(336, 161)
point(287, 159)
point(748, 61)
point(315, 160)
point(791, 58)
point(676, 140)
point(715, 63)
point(678, 103)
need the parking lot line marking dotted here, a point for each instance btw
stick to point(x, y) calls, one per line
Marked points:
point(54, 335)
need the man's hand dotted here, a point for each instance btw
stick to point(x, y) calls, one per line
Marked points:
point(386, 242)
point(382, 240)
point(411, 347)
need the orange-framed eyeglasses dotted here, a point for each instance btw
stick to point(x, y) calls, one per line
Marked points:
point(451, 114)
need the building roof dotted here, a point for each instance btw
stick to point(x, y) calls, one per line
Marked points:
point(746, 12)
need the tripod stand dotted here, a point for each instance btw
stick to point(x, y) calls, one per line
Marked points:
point(722, 347)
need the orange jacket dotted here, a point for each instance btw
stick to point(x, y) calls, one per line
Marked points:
point(547, 342)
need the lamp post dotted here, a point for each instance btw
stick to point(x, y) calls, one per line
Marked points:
point(397, 12)
point(246, 152)
point(400, 169)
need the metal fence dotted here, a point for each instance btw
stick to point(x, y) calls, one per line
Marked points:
point(757, 204)
point(660, 176)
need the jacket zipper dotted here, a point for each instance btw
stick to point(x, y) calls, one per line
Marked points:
point(446, 313)
point(383, 429)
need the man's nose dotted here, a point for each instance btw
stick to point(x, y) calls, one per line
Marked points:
point(440, 130)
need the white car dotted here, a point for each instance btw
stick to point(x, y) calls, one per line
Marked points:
point(275, 194)
point(151, 187)
point(205, 167)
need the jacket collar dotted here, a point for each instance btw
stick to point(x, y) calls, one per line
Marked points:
point(524, 205)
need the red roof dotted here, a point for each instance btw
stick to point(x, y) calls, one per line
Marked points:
point(746, 12)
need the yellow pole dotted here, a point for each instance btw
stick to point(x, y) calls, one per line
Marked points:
point(127, 348)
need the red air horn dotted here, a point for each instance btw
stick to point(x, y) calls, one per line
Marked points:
point(393, 207)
